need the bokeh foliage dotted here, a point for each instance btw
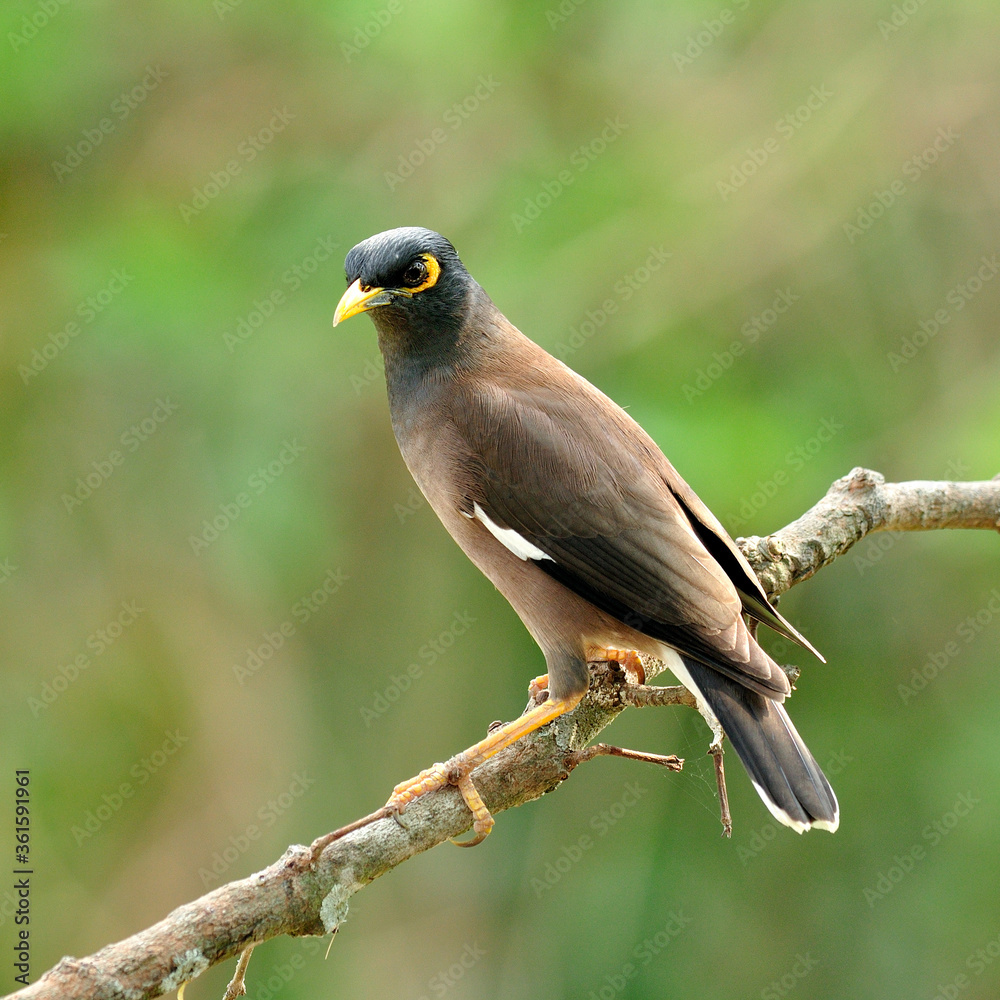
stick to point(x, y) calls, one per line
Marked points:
point(603, 138)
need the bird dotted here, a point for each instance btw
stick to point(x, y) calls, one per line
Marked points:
point(577, 517)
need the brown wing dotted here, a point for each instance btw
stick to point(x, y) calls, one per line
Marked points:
point(577, 479)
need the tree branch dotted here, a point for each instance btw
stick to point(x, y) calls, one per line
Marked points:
point(300, 895)
point(856, 504)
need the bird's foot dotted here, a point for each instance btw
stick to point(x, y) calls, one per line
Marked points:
point(628, 658)
point(428, 780)
point(456, 772)
point(537, 686)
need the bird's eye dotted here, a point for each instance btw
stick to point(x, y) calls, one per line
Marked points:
point(415, 274)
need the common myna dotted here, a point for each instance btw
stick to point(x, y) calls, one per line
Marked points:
point(576, 516)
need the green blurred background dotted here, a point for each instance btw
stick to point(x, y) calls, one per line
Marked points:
point(635, 185)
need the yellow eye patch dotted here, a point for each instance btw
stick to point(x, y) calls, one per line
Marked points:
point(433, 273)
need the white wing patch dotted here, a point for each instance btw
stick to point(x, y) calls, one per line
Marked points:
point(510, 539)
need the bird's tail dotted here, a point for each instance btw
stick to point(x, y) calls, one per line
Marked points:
point(780, 765)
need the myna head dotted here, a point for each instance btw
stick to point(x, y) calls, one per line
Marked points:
point(411, 281)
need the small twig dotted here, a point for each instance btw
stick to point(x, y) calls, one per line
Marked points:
point(333, 937)
point(643, 695)
point(671, 761)
point(237, 987)
point(716, 752)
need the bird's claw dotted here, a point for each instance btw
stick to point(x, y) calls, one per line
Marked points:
point(482, 831)
point(483, 821)
point(454, 772)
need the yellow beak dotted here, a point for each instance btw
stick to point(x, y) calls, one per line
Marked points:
point(357, 300)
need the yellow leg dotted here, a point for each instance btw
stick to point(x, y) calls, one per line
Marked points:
point(457, 771)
